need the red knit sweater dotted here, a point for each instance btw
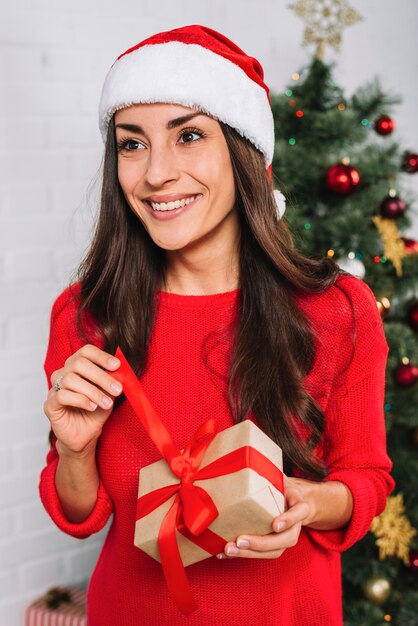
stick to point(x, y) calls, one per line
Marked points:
point(303, 586)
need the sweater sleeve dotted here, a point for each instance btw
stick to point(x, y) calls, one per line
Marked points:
point(355, 437)
point(64, 340)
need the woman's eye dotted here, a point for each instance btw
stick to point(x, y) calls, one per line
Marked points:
point(130, 145)
point(189, 136)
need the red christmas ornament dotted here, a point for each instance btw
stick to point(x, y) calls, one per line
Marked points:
point(405, 375)
point(411, 246)
point(413, 316)
point(410, 162)
point(393, 207)
point(413, 561)
point(342, 179)
point(384, 125)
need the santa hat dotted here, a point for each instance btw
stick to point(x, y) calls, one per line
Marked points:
point(196, 67)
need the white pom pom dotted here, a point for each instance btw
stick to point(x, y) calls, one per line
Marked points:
point(280, 203)
point(352, 265)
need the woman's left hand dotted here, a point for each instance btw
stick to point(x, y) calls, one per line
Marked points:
point(286, 527)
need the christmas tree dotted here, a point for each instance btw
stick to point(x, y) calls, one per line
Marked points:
point(346, 179)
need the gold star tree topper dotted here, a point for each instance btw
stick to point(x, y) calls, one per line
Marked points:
point(393, 530)
point(325, 20)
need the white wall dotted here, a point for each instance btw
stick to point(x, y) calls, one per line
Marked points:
point(53, 57)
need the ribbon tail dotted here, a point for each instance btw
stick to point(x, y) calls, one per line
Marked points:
point(143, 408)
point(171, 562)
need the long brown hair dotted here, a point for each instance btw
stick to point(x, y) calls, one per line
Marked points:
point(273, 344)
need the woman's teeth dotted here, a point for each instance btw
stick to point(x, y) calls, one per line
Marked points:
point(169, 206)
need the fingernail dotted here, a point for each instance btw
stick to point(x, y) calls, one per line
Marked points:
point(243, 543)
point(107, 401)
point(116, 388)
point(112, 362)
point(232, 550)
point(220, 556)
point(93, 405)
point(279, 526)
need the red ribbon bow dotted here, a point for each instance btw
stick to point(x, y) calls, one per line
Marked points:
point(192, 510)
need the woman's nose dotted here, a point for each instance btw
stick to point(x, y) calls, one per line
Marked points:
point(162, 166)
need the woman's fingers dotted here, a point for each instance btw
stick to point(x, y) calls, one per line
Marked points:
point(84, 383)
point(250, 554)
point(90, 354)
point(88, 365)
point(287, 529)
point(81, 398)
point(94, 354)
point(297, 513)
point(67, 398)
point(274, 541)
point(265, 547)
point(90, 372)
point(75, 383)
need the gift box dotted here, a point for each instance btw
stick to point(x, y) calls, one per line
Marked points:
point(246, 501)
point(57, 607)
point(192, 502)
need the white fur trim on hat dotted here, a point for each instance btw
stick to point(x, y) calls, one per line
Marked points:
point(280, 203)
point(193, 76)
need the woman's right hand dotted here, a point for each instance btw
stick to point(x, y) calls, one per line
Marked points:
point(80, 408)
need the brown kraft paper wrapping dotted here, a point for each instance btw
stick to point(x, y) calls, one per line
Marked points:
point(247, 502)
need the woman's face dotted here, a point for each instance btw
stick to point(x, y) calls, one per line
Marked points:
point(175, 171)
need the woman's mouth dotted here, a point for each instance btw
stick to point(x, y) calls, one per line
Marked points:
point(171, 206)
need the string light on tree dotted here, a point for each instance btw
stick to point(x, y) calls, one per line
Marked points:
point(366, 123)
point(383, 304)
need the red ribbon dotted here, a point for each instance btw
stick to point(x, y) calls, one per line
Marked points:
point(192, 510)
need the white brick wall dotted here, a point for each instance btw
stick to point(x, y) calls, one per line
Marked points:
point(53, 57)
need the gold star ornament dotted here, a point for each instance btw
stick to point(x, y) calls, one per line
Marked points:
point(393, 530)
point(393, 245)
point(325, 21)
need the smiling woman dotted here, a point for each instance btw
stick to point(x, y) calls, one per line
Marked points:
point(170, 171)
point(193, 273)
